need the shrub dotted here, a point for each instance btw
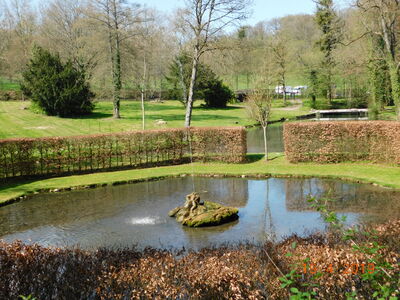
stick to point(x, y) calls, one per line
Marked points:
point(61, 155)
point(217, 94)
point(241, 272)
point(327, 142)
point(207, 85)
point(59, 89)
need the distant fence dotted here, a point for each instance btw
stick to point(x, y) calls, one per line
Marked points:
point(330, 142)
point(66, 155)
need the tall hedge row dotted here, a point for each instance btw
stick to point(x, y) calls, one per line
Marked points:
point(66, 155)
point(337, 141)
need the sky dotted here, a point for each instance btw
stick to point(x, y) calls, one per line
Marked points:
point(262, 9)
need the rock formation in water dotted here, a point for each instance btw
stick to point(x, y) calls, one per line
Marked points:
point(196, 213)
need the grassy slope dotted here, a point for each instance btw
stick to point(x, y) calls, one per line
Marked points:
point(15, 121)
point(383, 175)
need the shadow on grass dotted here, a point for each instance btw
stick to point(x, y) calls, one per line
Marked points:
point(93, 116)
point(255, 157)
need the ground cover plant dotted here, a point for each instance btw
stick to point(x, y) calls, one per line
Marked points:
point(232, 272)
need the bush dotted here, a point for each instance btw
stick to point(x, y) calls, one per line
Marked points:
point(327, 142)
point(217, 94)
point(66, 155)
point(207, 85)
point(241, 272)
point(59, 89)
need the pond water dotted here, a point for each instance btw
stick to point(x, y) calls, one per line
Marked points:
point(136, 214)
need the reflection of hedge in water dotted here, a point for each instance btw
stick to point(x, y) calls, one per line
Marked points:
point(243, 272)
point(346, 197)
point(59, 155)
point(326, 142)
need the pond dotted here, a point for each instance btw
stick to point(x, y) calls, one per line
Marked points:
point(121, 216)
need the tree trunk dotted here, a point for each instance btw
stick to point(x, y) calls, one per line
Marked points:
point(265, 142)
point(189, 104)
point(143, 91)
point(395, 84)
point(182, 82)
point(284, 94)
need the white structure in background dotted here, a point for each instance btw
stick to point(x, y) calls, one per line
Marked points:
point(280, 90)
point(299, 90)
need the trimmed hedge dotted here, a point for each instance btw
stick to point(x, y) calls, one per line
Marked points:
point(66, 155)
point(338, 141)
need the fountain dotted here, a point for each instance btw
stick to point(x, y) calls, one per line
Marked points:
point(196, 213)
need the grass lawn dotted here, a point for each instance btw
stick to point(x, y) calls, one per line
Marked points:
point(17, 121)
point(384, 175)
point(6, 85)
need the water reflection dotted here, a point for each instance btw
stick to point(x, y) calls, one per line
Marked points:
point(137, 214)
point(255, 139)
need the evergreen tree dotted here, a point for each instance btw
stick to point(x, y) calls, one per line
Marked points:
point(58, 89)
point(207, 85)
point(329, 24)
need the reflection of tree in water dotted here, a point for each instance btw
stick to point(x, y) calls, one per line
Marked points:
point(231, 192)
point(357, 198)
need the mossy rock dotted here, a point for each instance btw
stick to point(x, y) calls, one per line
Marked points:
point(207, 214)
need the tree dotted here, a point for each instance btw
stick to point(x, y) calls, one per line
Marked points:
point(117, 16)
point(180, 78)
point(279, 51)
point(206, 19)
point(217, 94)
point(59, 89)
point(328, 22)
point(382, 20)
point(66, 30)
point(259, 102)
point(21, 24)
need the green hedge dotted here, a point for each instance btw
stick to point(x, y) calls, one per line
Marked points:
point(67, 155)
point(338, 141)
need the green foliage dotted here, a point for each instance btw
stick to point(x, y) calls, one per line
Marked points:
point(328, 23)
point(59, 89)
point(217, 94)
point(207, 85)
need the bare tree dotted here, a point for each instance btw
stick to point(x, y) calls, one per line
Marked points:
point(206, 19)
point(67, 30)
point(382, 19)
point(117, 17)
point(21, 24)
point(259, 103)
point(279, 52)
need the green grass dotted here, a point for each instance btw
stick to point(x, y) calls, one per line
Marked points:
point(384, 175)
point(7, 85)
point(15, 121)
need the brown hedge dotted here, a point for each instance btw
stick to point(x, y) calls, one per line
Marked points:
point(65, 155)
point(236, 272)
point(331, 142)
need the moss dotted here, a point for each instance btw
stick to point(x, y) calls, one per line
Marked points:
point(207, 214)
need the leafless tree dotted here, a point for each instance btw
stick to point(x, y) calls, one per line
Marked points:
point(259, 103)
point(66, 30)
point(206, 19)
point(117, 17)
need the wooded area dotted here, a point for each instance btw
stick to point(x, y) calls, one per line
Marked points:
point(350, 53)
